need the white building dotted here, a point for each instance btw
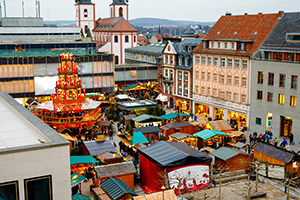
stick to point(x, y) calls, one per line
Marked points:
point(85, 16)
point(34, 159)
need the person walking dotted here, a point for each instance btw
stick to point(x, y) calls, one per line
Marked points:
point(291, 138)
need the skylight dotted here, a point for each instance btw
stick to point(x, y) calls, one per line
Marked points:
point(255, 33)
point(218, 33)
point(235, 33)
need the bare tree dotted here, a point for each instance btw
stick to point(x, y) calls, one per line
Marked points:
point(290, 179)
point(220, 171)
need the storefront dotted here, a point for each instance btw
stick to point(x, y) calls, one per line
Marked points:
point(219, 113)
point(286, 124)
point(237, 118)
point(202, 110)
point(183, 105)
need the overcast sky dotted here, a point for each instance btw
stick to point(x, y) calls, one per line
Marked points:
point(192, 10)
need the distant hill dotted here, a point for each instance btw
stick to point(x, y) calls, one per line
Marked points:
point(166, 22)
point(61, 23)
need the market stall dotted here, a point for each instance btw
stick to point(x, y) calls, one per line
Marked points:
point(236, 136)
point(147, 120)
point(219, 125)
point(95, 147)
point(170, 159)
point(81, 163)
point(210, 138)
point(150, 132)
point(183, 138)
point(110, 158)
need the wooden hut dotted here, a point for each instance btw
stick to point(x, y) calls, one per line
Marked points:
point(127, 119)
point(232, 159)
point(219, 125)
point(110, 158)
point(150, 132)
point(279, 160)
point(147, 120)
point(210, 138)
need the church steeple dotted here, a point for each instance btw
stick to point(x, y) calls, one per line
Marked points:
point(119, 8)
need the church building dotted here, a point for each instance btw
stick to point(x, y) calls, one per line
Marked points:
point(85, 16)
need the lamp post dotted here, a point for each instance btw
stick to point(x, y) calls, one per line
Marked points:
point(163, 190)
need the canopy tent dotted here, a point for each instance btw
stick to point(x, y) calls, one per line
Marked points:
point(207, 134)
point(146, 117)
point(82, 160)
point(129, 87)
point(173, 115)
point(170, 158)
point(80, 197)
point(138, 137)
point(162, 98)
point(77, 179)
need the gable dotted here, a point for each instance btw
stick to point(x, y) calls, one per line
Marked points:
point(169, 49)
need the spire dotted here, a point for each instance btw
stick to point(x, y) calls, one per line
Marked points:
point(159, 29)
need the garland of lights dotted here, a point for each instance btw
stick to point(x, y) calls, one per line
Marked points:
point(41, 57)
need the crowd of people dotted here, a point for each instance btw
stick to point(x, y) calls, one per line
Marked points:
point(268, 137)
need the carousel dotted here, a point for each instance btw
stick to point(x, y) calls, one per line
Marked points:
point(69, 107)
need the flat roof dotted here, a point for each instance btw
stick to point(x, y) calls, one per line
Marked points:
point(20, 129)
point(138, 103)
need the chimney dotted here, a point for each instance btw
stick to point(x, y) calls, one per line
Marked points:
point(260, 13)
point(246, 14)
point(281, 12)
point(228, 14)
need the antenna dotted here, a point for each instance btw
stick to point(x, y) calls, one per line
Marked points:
point(0, 10)
point(39, 9)
point(36, 9)
point(23, 9)
point(4, 8)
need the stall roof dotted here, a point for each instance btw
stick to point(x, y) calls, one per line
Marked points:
point(99, 147)
point(77, 179)
point(108, 155)
point(206, 134)
point(225, 153)
point(129, 87)
point(173, 115)
point(148, 129)
point(179, 136)
point(173, 154)
point(116, 188)
point(80, 197)
point(82, 160)
point(145, 117)
point(274, 152)
point(139, 146)
point(128, 117)
point(138, 137)
point(68, 137)
point(220, 125)
point(104, 171)
point(236, 133)
point(176, 124)
point(103, 123)
point(240, 145)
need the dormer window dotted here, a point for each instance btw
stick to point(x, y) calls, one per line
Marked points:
point(212, 44)
point(186, 62)
point(180, 61)
point(183, 49)
point(293, 37)
point(189, 49)
point(225, 45)
point(243, 46)
point(204, 44)
point(232, 45)
point(219, 45)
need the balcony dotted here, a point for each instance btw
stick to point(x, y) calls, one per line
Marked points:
point(167, 79)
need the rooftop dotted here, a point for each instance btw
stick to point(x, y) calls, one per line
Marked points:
point(20, 129)
point(139, 103)
point(115, 169)
point(153, 48)
point(113, 24)
point(225, 153)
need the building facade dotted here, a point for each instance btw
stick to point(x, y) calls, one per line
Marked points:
point(222, 66)
point(85, 16)
point(35, 159)
point(274, 83)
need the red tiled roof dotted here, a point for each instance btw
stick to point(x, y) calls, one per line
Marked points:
point(158, 36)
point(142, 40)
point(113, 24)
point(254, 28)
point(201, 36)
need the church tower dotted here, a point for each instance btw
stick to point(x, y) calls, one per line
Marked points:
point(85, 16)
point(119, 8)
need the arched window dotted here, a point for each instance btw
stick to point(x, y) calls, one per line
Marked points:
point(116, 60)
point(116, 39)
point(126, 38)
point(86, 28)
point(121, 12)
point(85, 13)
point(134, 38)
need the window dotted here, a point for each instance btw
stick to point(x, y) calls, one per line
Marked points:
point(171, 60)
point(189, 49)
point(203, 76)
point(179, 89)
point(229, 98)
point(289, 57)
point(198, 59)
point(270, 97)
point(121, 12)
point(209, 91)
point(197, 75)
point(293, 101)
point(212, 44)
point(203, 90)
point(116, 39)
point(171, 89)
point(271, 79)
point(229, 80)
point(126, 39)
point(171, 75)
point(229, 62)
point(204, 44)
point(204, 60)
point(281, 80)
point(259, 95)
point(85, 13)
point(236, 97)
point(185, 90)
point(232, 45)
point(260, 78)
point(294, 81)
point(219, 45)
point(186, 77)
point(243, 46)
point(215, 93)
point(167, 59)
point(215, 77)
point(180, 75)
point(134, 38)
point(222, 81)
point(222, 95)
point(216, 61)
point(245, 64)
point(183, 49)
point(236, 80)
point(116, 60)
point(38, 188)
point(223, 63)
point(244, 82)
point(166, 73)
point(225, 45)
point(209, 76)
point(186, 62)
point(209, 61)
point(86, 29)
point(166, 89)
point(243, 96)
point(258, 121)
point(197, 89)
point(281, 98)
point(237, 63)
point(180, 61)
point(9, 190)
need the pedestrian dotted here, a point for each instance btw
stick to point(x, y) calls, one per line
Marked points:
point(291, 138)
point(276, 142)
point(250, 138)
point(86, 135)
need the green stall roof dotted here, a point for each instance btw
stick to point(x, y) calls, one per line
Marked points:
point(76, 179)
point(80, 197)
point(138, 137)
point(145, 117)
point(129, 87)
point(173, 115)
point(225, 153)
point(82, 160)
point(206, 134)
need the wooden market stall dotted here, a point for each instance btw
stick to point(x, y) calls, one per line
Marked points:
point(236, 136)
point(110, 158)
point(183, 138)
point(279, 160)
point(127, 119)
point(210, 138)
point(219, 125)
point(70, 139)
point(231, 159)
point(147, 120)
point(150, 132)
